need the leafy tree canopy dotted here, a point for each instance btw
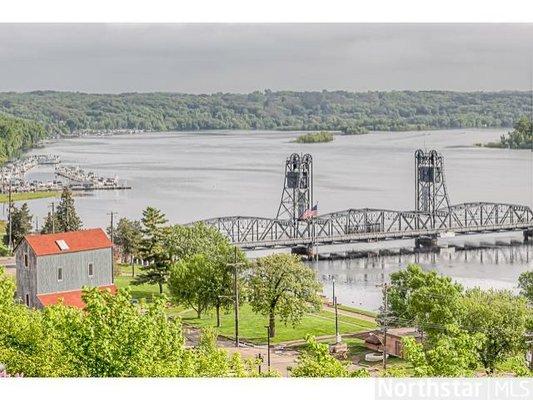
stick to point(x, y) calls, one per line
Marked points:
point(281, 285)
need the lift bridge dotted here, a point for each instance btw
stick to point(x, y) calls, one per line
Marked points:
point(433, 216)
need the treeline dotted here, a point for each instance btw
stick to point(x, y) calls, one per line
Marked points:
point(520, 138)
point(17, 134)
point(67, 112)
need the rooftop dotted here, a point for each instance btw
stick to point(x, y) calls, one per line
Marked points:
point(68, 242)
point(71, 298)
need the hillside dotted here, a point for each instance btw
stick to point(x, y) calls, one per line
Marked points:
point(67, 112)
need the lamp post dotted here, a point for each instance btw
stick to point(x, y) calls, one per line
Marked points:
point(338, 338)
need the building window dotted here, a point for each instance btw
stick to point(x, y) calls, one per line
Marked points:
point(60, 274)
point(27, 299)
point(91, 272)
point(26, 260)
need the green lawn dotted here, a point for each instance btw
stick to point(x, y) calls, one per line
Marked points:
point(252, 326)
point(137, 291)
point(28, 196)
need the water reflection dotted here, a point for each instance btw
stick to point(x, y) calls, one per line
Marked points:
point(357, 279)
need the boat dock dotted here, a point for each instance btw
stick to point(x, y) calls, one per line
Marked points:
point(12, 177)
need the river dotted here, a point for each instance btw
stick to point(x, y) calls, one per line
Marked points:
point(195, 175)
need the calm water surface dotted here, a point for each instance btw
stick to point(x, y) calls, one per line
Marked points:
point(198, 175)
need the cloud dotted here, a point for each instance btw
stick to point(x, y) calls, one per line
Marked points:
point(206, 58)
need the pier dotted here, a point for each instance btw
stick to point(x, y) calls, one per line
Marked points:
point(12, 177)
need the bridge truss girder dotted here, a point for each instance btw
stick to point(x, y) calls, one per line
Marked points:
point(363, 224)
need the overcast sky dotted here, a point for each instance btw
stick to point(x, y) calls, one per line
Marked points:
point(209, 58)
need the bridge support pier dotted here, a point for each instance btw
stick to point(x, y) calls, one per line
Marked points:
point(309, 251)
point(425, 242)
point(528, 235)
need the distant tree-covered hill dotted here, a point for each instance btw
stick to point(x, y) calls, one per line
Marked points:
point(67, 112)
point(17, 134)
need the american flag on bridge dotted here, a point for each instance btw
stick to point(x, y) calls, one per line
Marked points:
point(310, 213)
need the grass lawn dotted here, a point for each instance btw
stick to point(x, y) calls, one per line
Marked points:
point(4, 198)
point(252, 326)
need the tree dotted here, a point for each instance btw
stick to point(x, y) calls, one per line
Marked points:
point(65, 218)
point(191, 282)
point(20, 224)
point(425, 299)
point(50, 223)
point(525, 283)
point(453, 354)
point(128, 236)
point(501, 317)
point(316, 362)
point(281, 285)
point(111, 337)
point(203, 245)
point(154, 250)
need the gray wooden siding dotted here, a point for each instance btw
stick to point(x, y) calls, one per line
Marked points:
point(26, 276)
point(75, 270)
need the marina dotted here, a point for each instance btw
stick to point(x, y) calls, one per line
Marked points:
point(13, 177)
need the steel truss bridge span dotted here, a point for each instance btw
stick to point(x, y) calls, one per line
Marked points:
point(433, 216)
point(368, 224)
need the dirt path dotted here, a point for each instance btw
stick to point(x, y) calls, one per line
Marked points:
point(347, 313)
point(281, 359)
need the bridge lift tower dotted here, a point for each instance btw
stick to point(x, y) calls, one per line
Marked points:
point(431, 194)
point(297, 195)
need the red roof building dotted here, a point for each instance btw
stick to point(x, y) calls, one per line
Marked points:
point(88, 239)
point(54, 268)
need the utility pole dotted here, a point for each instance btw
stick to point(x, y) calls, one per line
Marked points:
point(384, 320)
point(529, 342)
point(338, 338)
point(37, 224)
point(236, 266)
point(53, 217)
point(10, 211)
point(112, 237)
point(268, 346)
point(112, 233)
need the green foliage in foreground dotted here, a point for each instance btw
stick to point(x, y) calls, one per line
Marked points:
point(495, 320)
point(317, 137)
point(453, 354)
point(502, 318)
point(424, 299)
point(525, 283)
point(110, 338)
point(316, 362)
